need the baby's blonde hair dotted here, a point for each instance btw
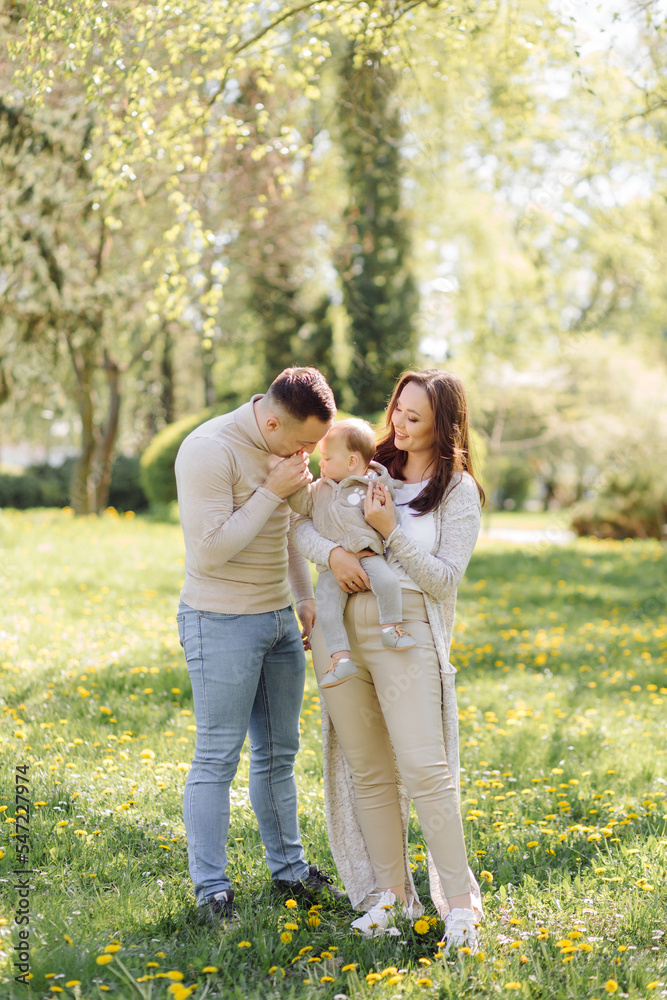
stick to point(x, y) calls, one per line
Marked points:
point(358, 436)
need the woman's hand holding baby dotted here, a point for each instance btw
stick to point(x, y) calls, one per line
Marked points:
point(349, 573)
point(379, 509)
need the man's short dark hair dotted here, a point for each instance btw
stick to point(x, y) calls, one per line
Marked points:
point(303, 393)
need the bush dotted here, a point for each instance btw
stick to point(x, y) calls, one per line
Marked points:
point(44, 485)
point(513, 484)
point(126, 492)
point(20, 491)
point(54, 481)
point(157, 462)
point(631, 506)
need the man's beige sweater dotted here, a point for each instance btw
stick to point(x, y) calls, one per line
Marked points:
point(237, 559)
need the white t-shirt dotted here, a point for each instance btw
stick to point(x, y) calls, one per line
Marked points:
point(419, 528)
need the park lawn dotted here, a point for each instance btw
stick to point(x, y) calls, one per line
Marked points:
point(562, 682)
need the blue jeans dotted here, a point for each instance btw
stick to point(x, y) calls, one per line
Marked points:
point(247, 674)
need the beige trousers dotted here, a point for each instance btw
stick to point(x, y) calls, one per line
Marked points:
point(393, 707)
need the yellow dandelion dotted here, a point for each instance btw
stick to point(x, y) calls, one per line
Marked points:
point(611, 986)
point(285, 937)
point(104, 959)
point(212, 968)
point(373, 977)
point(245, 944)
point(73, 982)
point(424, 961)
point(273, 968)
point(314, 920)
point(291, 904)
point(424, 981)
point(513, 985)
point(393, 980)
point(422, 926)
point(175, 975)
point(112, 948)
point(179, 992)
point(327, 979)
point(349, 967)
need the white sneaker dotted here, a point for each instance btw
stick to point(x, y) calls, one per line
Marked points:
point(460, 931)
point(381, 915)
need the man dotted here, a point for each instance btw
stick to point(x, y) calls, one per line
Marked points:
point(242, 644)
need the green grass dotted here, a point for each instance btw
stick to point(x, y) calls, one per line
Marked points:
point(562, 684)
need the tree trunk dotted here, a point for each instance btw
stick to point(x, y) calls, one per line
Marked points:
point(167, 380)
point(82, 493)
point(207, 373)
point(107, 439)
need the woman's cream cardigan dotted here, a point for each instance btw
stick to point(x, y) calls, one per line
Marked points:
point(437, 573)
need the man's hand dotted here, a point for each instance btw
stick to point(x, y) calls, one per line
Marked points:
point(289, 475)
point(347, 569)
point(307, 613)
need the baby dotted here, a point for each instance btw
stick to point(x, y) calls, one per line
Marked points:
point(335, 503)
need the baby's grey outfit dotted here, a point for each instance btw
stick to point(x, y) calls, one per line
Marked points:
point(337, 513)
point(331, 601)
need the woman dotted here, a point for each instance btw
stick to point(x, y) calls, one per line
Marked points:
point(399, 714)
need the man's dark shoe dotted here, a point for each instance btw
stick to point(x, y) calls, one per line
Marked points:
point(219, 910)
point(310, 888)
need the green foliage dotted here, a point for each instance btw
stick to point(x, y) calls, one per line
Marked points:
point(175, 205)
point(379, 293)
point(563, 808)
point(45, 485)
point(157, 462)
point(126, 491)
point(629, 505)
point(513, 484)
point(20, 491)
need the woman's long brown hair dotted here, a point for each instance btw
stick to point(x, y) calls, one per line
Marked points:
point(451, 435)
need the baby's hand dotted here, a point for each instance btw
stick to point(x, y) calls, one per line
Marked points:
point(379, 509)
